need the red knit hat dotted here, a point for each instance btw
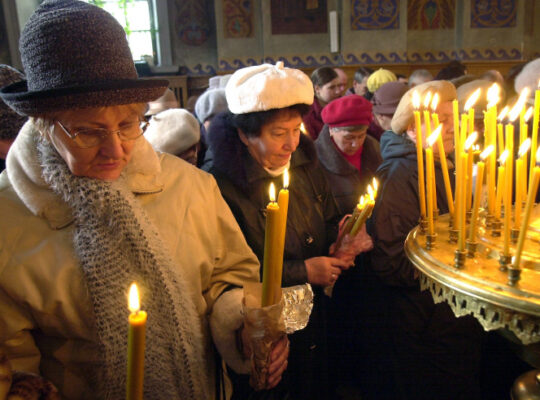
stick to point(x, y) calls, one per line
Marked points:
point(351, 110)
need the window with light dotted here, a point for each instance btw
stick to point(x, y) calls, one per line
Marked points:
point(137, 18)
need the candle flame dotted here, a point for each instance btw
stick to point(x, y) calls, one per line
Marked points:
point(434, 136)
point(493, 102)
point(525, 146)
point(519, 104)
point(487, 151)
point(362, 201)
point(503, 156)
point(272, 192)
point(538, 84)
point(528, 114)
point(375, 184)
point(493, 94)
point(286, 178)
point(470, 140)
point(476, 147)
point(473, 98)
point(416, 100)
point(427, 99)
point(371, 192)
point(503, 113)
point(303, 128)
point(133, 303)
point(538, 155)
point(435, 102)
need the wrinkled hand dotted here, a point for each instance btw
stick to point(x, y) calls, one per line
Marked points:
point(278, 358)
point(278, 362)
point(351, 247)
point(324, 271)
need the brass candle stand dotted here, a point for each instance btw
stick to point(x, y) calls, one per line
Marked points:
point(472, 282)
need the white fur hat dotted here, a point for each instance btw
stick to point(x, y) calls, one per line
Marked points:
point(266, 87)
point(173, 131)
point(528, 77)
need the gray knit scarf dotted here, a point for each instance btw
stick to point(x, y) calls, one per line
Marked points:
point(116, 244)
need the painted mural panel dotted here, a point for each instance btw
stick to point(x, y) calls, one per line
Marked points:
point(192, 21)
point(293, 17)
point(374, 14)
point(238, 18)
point(430, 14)
point(493, 13)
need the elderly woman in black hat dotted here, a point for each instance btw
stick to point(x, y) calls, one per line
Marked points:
point(87, 207)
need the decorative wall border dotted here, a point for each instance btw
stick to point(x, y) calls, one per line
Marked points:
point(321, 60)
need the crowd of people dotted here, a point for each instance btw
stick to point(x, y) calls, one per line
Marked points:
point(107, 181)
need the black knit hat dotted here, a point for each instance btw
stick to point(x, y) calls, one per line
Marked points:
point(10, 121)
point(76, 55)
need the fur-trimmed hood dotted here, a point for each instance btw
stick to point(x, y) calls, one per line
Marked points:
point(232, 159)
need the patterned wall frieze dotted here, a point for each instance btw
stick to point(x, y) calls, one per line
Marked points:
point(374, 14)
point(238, 19)
point(375, 58)
point(430, 14)
point(192, 22)
point(493, 13)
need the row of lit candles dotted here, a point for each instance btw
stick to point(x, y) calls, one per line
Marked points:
point(500, 191)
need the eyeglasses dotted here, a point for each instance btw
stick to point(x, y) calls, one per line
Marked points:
point(86, 138)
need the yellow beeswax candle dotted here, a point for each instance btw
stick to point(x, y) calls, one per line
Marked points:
point(473, 229)
point(283, 204)
point(419, 155)
point(430, 170)
point(461, 200)
point(534, 135)
point(136, 347)
point(508, 178)
point(500, 183)
point(469, 148)
point(271, 244)
point(444, 168)
point(531, 197)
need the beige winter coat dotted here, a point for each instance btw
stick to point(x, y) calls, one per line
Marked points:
point(46, 324)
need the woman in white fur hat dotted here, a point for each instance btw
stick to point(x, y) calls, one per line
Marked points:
point(87, 207)
point(252, 145)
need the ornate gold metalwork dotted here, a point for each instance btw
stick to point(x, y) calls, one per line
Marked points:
point(479, 287)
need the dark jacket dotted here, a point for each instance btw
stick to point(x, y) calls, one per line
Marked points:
point(313, 120)
point(311, 228)
point(410, 342)
point(346, 182)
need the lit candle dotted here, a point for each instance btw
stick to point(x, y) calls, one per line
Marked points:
point(434, 104)
point(461, 171)
point(455, 111)
point(427, 118)
point(500, 132)
point(469, 147)
point(430, 169)
point(366, 210)
point(531, 197)
point(283, 204)
point(271, 244)
point(303, 129)
point(419, 154)
point(508, 181)
point(460, 209)
point(469, 106)
point(526, 118)
point(534, 136)
point(500, 183)
point(493, 96)
point(520, 180)
point(473, 230)
point(444, 167)
point(136, 344)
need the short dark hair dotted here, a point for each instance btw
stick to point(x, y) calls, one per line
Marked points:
point(454, 69)
point(251, 123)
point(321, 76)
point(362, 73)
